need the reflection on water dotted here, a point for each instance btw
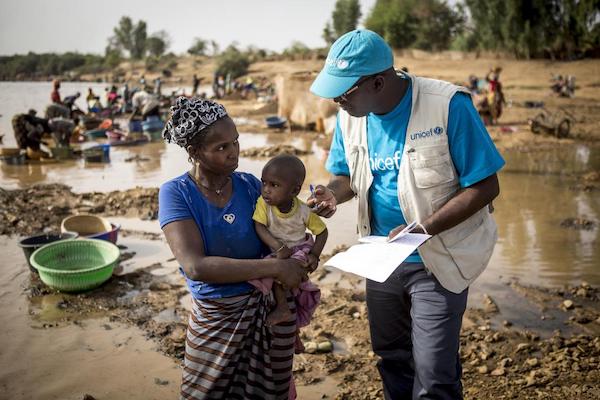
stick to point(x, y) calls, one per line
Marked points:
point(532, 244)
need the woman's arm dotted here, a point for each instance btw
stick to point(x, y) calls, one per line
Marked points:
point(187, 245)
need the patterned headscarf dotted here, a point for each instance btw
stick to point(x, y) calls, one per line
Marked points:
point(189, 117)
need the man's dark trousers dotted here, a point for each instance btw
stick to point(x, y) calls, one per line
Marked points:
point(415, 329)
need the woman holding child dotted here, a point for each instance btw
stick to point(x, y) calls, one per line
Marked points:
point(206, 215)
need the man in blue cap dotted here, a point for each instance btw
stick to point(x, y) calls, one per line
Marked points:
point(411, 149)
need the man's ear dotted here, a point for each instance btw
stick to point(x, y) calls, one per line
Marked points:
point(379, 83)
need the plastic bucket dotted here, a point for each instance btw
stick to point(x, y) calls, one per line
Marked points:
point(62, 153)
point(32, 243)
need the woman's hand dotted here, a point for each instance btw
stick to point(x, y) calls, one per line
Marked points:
point(322, 201)
point(291, 273)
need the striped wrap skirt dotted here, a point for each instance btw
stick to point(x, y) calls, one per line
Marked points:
point(230, 353)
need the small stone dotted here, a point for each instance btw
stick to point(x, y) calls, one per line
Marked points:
point(356, 315)
point(325, 346)
point(498, 372)
point(483, 369)
point(530, 381)
point(522, 346)
point(310, 347)
point(161, 382)
point(506, 323)
point(532, 362)
point(505, 362)
point(488, 304)
point(567, 304)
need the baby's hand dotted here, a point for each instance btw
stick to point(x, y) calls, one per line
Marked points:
point(284, 252)
point(312, 262)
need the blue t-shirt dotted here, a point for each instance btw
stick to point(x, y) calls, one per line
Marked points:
point(226, 232)
point(473, 152)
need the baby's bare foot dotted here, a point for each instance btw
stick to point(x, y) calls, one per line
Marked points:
point(278, 315)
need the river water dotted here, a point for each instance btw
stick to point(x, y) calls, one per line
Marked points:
point(532, 247)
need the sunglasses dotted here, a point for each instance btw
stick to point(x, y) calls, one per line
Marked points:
point(344, 96)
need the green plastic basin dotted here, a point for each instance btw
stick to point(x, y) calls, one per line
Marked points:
point(75, 265)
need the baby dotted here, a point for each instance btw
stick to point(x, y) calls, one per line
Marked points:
point(281, 221)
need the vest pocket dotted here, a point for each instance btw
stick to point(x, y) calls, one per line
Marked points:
point(431, 166)
point(470, 244)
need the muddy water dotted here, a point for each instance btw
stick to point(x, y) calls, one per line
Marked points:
point(45, 357)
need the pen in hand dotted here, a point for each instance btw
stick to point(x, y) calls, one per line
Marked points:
point(404, 231)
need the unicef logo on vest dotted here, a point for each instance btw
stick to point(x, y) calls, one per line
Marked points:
point(438, 130)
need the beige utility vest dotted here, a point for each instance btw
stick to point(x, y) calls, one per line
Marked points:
point(427, 179)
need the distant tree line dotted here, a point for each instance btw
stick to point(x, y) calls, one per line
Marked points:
point(557, 29)
point(41, 66)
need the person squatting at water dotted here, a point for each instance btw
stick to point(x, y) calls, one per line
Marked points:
point(206, 216)
point(445, 180)
point(281, 220)
point(29, 130)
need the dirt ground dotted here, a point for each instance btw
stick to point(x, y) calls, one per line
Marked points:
point(498, 362)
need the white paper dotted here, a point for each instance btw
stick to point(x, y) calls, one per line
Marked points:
point(375, 258)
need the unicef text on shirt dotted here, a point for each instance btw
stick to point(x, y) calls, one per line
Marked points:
point(438, 130)
point(385, 163)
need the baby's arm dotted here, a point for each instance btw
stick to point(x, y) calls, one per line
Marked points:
point(315, 252)
point(275, 245)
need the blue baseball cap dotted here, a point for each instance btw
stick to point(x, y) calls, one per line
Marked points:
point(355, 54)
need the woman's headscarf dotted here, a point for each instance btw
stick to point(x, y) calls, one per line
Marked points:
point(189, 117)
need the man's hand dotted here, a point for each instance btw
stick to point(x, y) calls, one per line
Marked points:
point(322, 202)
point(291, 273)
point(398, 229)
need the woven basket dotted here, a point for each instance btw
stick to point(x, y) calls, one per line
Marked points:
point(85, 224)
point(75, 265)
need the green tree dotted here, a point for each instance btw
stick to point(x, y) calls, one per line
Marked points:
point(129, 37)
point(297, 51)
point(214, 48)
point(158, 43)
point(345, 16)
point(198, 47)
point(327, 34)
point(537, 28)
point(424, 24)
point(232, 61)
